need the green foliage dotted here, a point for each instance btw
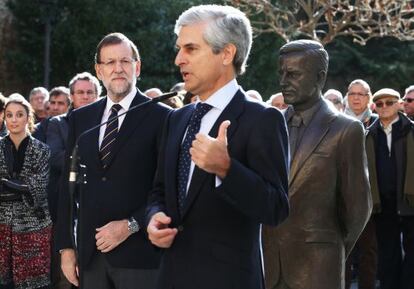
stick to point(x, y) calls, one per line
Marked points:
point(383, 62)
point(262, 70)
point(78, 25)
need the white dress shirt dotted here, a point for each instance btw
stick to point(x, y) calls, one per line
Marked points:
point(125, 103)
point(219, 100)
point(388, 132)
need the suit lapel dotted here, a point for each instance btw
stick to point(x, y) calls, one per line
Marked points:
point(317, 129)
point(131, 121)
point(92, 138)
point(177, 127)
point(232, 113)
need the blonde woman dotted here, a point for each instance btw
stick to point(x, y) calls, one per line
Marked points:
point(25, 225)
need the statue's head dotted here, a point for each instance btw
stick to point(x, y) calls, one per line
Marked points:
point(303, 68)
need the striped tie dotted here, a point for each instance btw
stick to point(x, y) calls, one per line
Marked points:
point(109, 137)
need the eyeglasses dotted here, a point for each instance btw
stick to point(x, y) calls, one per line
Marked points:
point(89, 93)
point(125, 63)
point(409, 100)
point(380, 104)
point(354, 94)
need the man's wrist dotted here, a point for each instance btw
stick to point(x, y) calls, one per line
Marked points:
point(64, 250)
point(133, 226)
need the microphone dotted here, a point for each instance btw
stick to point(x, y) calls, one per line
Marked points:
point(74, 158)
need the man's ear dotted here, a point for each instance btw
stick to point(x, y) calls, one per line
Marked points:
point(98, 71)
point(321, 78)
point(229, 52)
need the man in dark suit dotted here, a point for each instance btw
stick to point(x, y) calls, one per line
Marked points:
point(328, 182)
point(120, 161)
point(84, 89)
point(213, 189)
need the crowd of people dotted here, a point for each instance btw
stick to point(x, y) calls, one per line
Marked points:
point(327, 176)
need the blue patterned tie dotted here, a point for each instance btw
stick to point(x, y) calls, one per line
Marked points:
point(111, 132)
point(184, 161)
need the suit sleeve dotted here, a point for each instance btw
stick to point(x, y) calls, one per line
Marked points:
point(140, 213)
point(355, 203)
point(156, 198)
point(63, 238)
point(259, 186)
point(56, 143)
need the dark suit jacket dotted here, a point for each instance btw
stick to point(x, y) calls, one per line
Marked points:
point(119, 191)
point(218, 245)
point(402, 143)
point(330, 205)
point(56, 139)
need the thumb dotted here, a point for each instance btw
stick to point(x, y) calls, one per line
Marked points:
point(162, 218)
point(222, 133)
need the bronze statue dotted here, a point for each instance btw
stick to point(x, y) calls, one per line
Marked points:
point(328, 184)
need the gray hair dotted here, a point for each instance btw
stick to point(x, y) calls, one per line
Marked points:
point(226, 25)
point(409, 89)
point(37, 90)
point(335, 92)
point(88, 77)
point(363, 83)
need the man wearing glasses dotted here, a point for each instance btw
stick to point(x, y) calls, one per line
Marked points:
point(390, 152)
point(409, 102)
point(358, 100)
point(120, 159)
point(84, 89)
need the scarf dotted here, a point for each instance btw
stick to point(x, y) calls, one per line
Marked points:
point(363, 117)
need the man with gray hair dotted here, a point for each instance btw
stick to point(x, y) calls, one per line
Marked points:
point(335, 96)
point(223, 170)
point(112, 250)
point(84, 89)
point(358, 100)
point(38, 97)
point(328, 182)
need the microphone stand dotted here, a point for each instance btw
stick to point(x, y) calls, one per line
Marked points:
point(77, 171)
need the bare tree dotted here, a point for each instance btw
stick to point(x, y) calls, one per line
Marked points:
point(324, 20)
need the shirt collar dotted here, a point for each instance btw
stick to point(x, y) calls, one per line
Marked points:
point(306, 115)
point(125, 102)
point(388, 128)
point(221, 98)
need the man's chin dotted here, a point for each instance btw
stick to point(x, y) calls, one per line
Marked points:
point(120, 91)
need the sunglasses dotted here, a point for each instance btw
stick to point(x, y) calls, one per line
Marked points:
point(381, 104)
point(409, 100)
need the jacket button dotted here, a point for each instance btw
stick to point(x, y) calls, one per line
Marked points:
point(103, 179)
point(180, 228)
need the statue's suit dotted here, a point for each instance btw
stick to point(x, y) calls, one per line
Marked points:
point(330, 204)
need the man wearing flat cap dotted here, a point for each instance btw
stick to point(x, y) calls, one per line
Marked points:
point(390, 152)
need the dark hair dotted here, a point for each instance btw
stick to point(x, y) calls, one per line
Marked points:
point(60, 90)
point(19, 99)
point(115, 38)
point(3, 101)
point(308, 47)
